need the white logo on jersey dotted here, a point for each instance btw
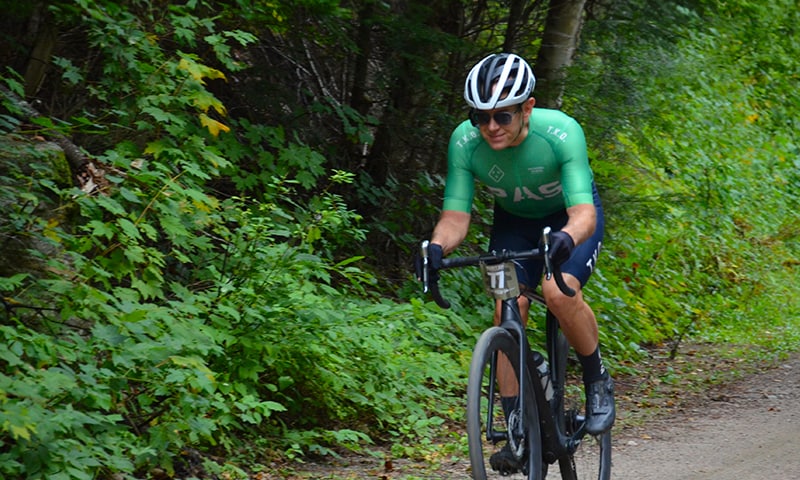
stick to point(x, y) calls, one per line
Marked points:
point(557, 132)
point(551, 189)
point(496, 173)
point(466, 138)
point(524, 193)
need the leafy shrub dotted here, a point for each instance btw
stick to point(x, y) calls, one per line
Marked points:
point(693, 171)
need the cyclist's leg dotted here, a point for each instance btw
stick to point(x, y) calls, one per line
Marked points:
point(576, 318)
point(579, 324)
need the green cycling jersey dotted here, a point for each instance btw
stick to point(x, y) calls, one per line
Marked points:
point(544, 174)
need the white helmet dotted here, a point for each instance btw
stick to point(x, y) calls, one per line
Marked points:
point(507, 70)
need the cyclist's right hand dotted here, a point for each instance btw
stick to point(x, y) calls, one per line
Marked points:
point(434, 262)
point(561, 246)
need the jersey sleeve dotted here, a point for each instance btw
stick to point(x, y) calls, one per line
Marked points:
point(459, 190)
point(576, 174)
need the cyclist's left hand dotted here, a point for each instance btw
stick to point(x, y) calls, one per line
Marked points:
point(561, 245)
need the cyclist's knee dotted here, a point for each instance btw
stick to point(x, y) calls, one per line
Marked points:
point(556, 300)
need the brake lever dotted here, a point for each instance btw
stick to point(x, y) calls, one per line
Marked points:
point(427, 285)
point(423, 251)
point(548, 266)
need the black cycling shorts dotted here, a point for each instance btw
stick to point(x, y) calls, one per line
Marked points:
point(510, 232)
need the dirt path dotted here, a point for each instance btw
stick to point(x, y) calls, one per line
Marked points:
point(750, 430)
point(745, 430)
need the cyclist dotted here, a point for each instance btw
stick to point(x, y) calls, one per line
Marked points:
point(534, 162)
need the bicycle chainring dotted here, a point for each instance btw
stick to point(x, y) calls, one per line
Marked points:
point(516, 442)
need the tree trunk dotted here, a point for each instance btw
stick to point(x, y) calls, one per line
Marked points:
point(514, 18)
point(358, 94)
point(560, 38)
point(40, 59)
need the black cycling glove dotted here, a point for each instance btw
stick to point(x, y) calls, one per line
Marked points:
point(561, 245)
point(435, 255)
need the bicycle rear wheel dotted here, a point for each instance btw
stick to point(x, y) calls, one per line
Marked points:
point(485, 416)
point(592, 457)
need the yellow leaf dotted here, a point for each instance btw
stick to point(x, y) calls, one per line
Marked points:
point(204, 101)
point(200, 206)
point(199, 71)
point(20, 432)
point(213, 126)
point(50, 231)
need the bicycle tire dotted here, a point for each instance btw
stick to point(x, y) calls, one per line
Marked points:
point(491, 342)
point(592, 458)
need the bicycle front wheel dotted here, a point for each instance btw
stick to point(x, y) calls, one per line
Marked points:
point(488, 430)
point(592, 457)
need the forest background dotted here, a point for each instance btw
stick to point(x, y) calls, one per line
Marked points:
point(209, 211)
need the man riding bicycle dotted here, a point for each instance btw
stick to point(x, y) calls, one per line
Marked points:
point(535, 163)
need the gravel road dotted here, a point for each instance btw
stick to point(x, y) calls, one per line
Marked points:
point(751, 431)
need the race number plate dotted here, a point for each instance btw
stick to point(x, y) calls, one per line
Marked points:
point(500, 280)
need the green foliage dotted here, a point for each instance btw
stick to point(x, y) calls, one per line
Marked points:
point(694, 171)
point(172, 317)
point(10, 113)
point(222, 295)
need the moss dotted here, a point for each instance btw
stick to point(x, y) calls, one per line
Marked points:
point(20, 155)
point(29, 206)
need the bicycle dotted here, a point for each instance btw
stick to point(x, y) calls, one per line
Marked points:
point(546, 428)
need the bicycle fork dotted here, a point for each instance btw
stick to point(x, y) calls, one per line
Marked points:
point(515, 425)
point(515, 421)
point(491, 434)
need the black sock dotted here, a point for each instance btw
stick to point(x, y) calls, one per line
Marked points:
point(509, 404)
point(593, 368)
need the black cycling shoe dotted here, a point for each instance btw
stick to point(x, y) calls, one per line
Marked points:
point(504, 462)
point(600, 409)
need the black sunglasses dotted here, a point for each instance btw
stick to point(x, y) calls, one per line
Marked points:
point(478, 117)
